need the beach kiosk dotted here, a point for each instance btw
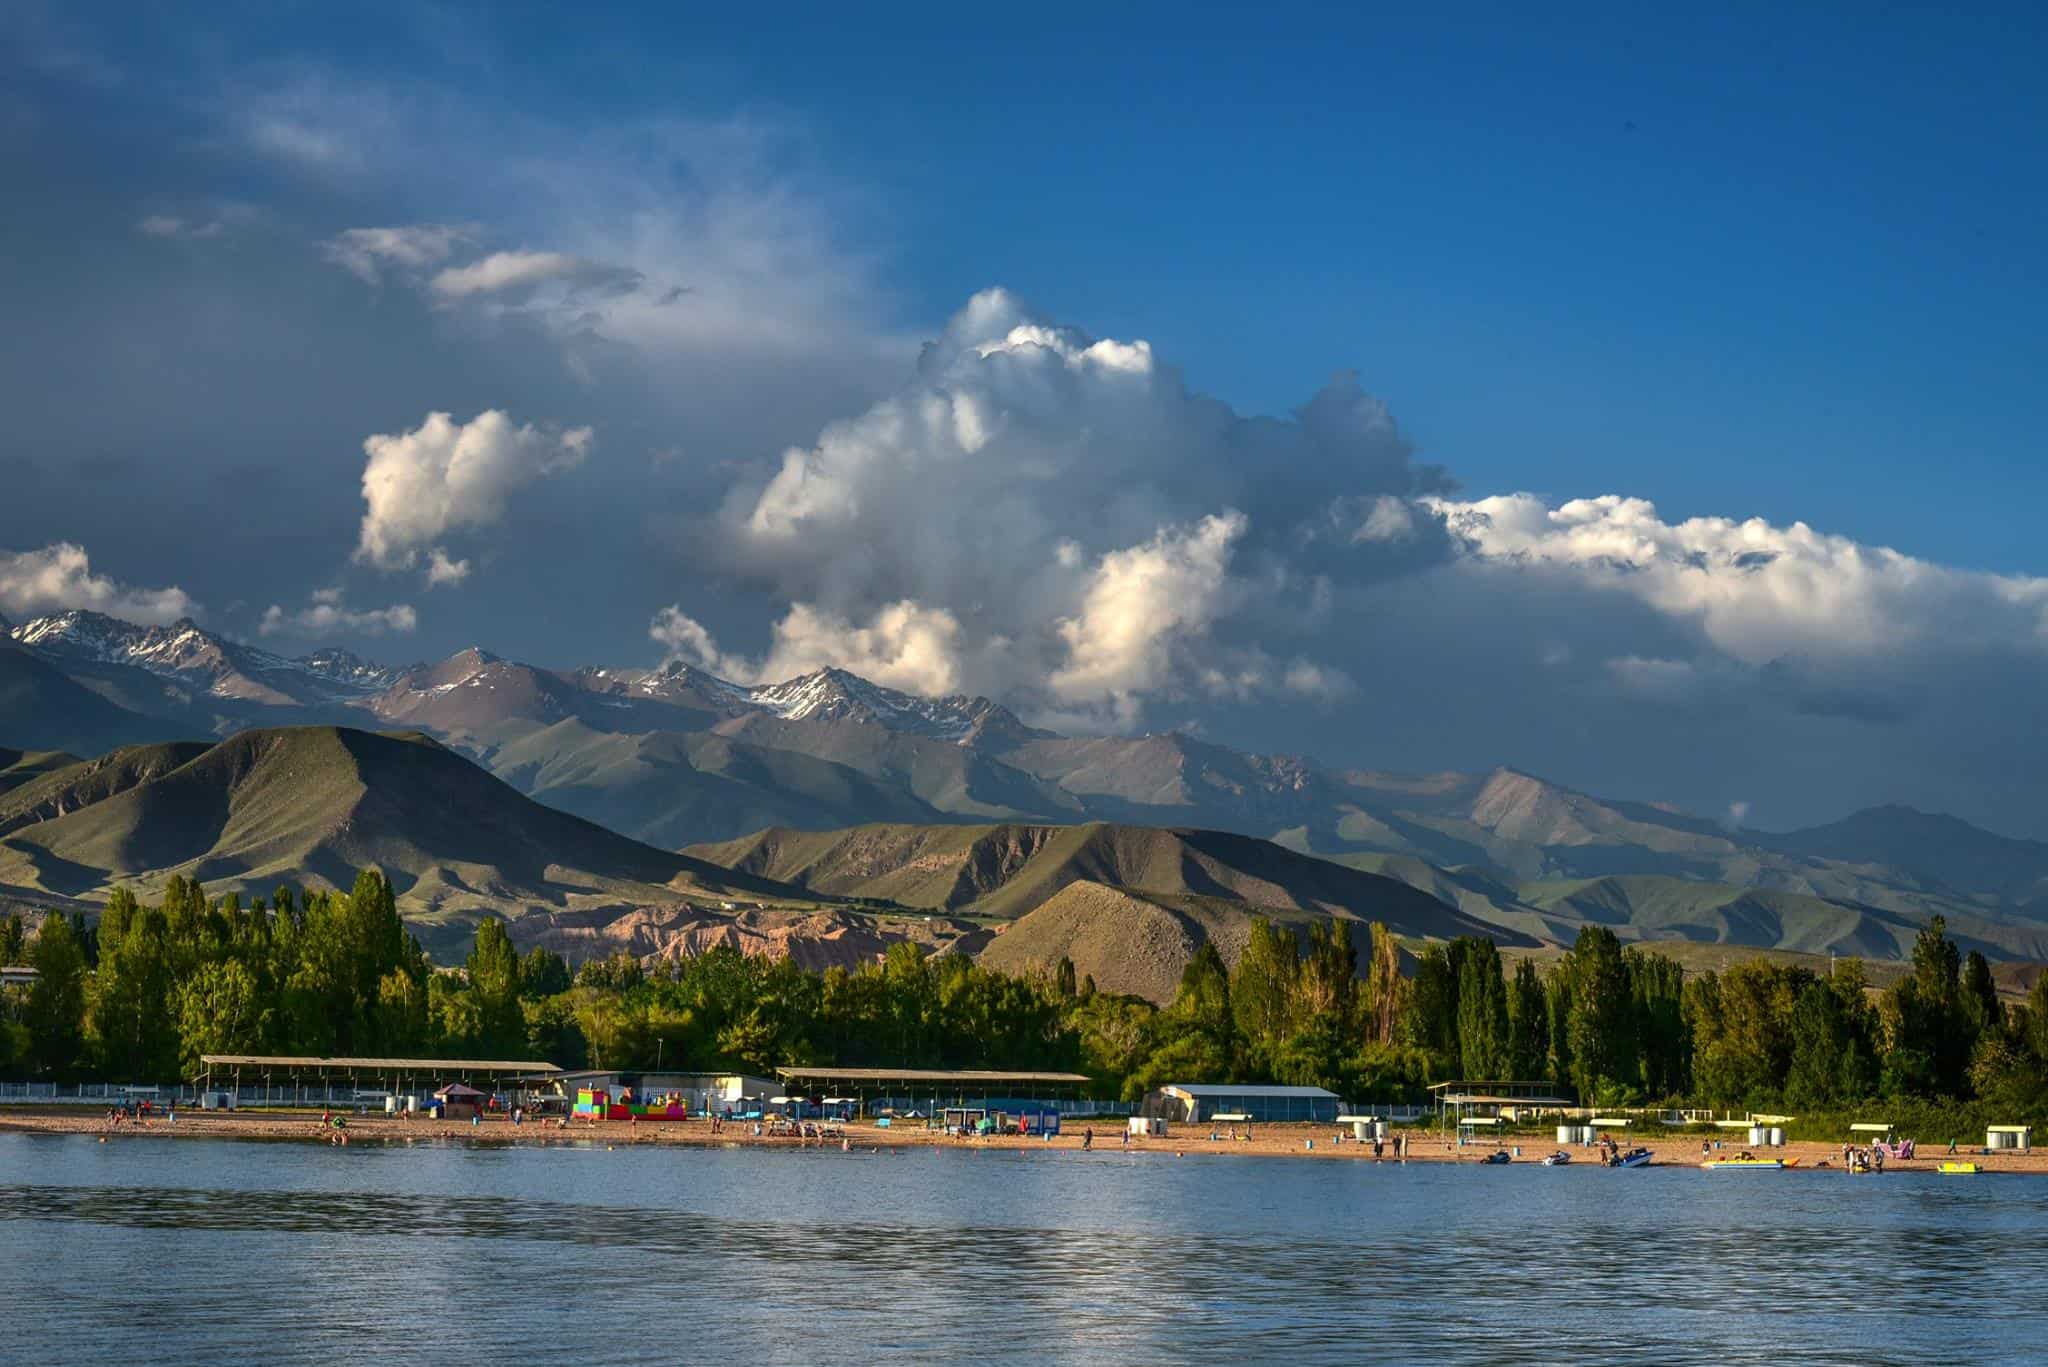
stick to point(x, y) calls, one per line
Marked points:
point(459, 1102)
point(2015, 1137)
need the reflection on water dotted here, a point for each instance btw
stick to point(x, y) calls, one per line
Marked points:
point(234, 1252)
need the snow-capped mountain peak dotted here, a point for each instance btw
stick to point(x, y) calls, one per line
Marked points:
point(193, 656)
point(835, 695)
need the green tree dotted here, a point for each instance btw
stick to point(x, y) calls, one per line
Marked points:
point(56, 1002)
point(1821, 1038)
point(131, 1016)
point(1386, 991)
point(1601, 1023)
point(1528, 1024)
point(1482, 1012)
point(1262, 992)
point(542, 973)
point(1982, 1012)
point(494, 978)
point(219, 1012)
point(1928, 1038)
point(1432, 1019)
point(1328, 982)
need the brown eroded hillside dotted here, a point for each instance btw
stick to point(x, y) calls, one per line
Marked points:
point(1007, 871)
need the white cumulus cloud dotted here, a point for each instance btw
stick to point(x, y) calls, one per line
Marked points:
point(1094, 533)
point(59, 577)
point(1138, 601)
point(444, 476)
point(905, 646)
point(1757, 591)
point(327, 612)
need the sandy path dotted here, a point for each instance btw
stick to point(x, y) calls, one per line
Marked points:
point(1292, 1141)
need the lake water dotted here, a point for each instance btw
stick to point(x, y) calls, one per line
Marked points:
point(185, 1251)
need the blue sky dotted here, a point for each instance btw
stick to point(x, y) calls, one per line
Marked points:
point(1742, 266)
point(1726, 259)
point(1710, 251)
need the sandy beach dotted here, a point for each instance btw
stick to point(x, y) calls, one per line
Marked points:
point(1293, 1141)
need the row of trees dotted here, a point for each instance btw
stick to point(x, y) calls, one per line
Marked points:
point(146, 991)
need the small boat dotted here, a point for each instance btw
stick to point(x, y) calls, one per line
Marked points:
point(1557, 1160)
point(1634, 1158)
point(1961, 1169)
point(1745, 1163)
point(1498, 1156)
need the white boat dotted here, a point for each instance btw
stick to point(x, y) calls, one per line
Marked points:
point(1634, 1158)
point(1557, 1160)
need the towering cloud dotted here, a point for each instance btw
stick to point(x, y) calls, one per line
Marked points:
point(444, 476)
point(1073, 526)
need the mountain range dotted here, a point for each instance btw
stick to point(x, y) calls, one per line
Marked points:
point(747, 777)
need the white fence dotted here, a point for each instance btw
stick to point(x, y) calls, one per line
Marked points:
point(187, 1097)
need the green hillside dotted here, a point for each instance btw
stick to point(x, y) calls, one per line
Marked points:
point(316, 804)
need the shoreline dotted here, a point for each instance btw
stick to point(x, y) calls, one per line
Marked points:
point(1277, 1140)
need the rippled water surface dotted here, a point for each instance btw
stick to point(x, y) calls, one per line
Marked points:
point(226, 1252)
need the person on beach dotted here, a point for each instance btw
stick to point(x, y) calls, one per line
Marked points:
point(1087, 1138)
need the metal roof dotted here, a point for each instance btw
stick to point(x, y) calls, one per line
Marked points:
point(374, 1065)
point(1225, 1089)
point(923, 1075)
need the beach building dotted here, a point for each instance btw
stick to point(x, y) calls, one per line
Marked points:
point(930, 1091)
point(1192, 1103)
point(1499, 1100)
point(18, 975)
point(295, 1077)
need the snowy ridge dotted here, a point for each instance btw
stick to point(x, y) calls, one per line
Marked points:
point(826, 695)
point(835, 695)
point(188, 653)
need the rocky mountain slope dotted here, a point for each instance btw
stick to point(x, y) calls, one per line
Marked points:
point(674, 756)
